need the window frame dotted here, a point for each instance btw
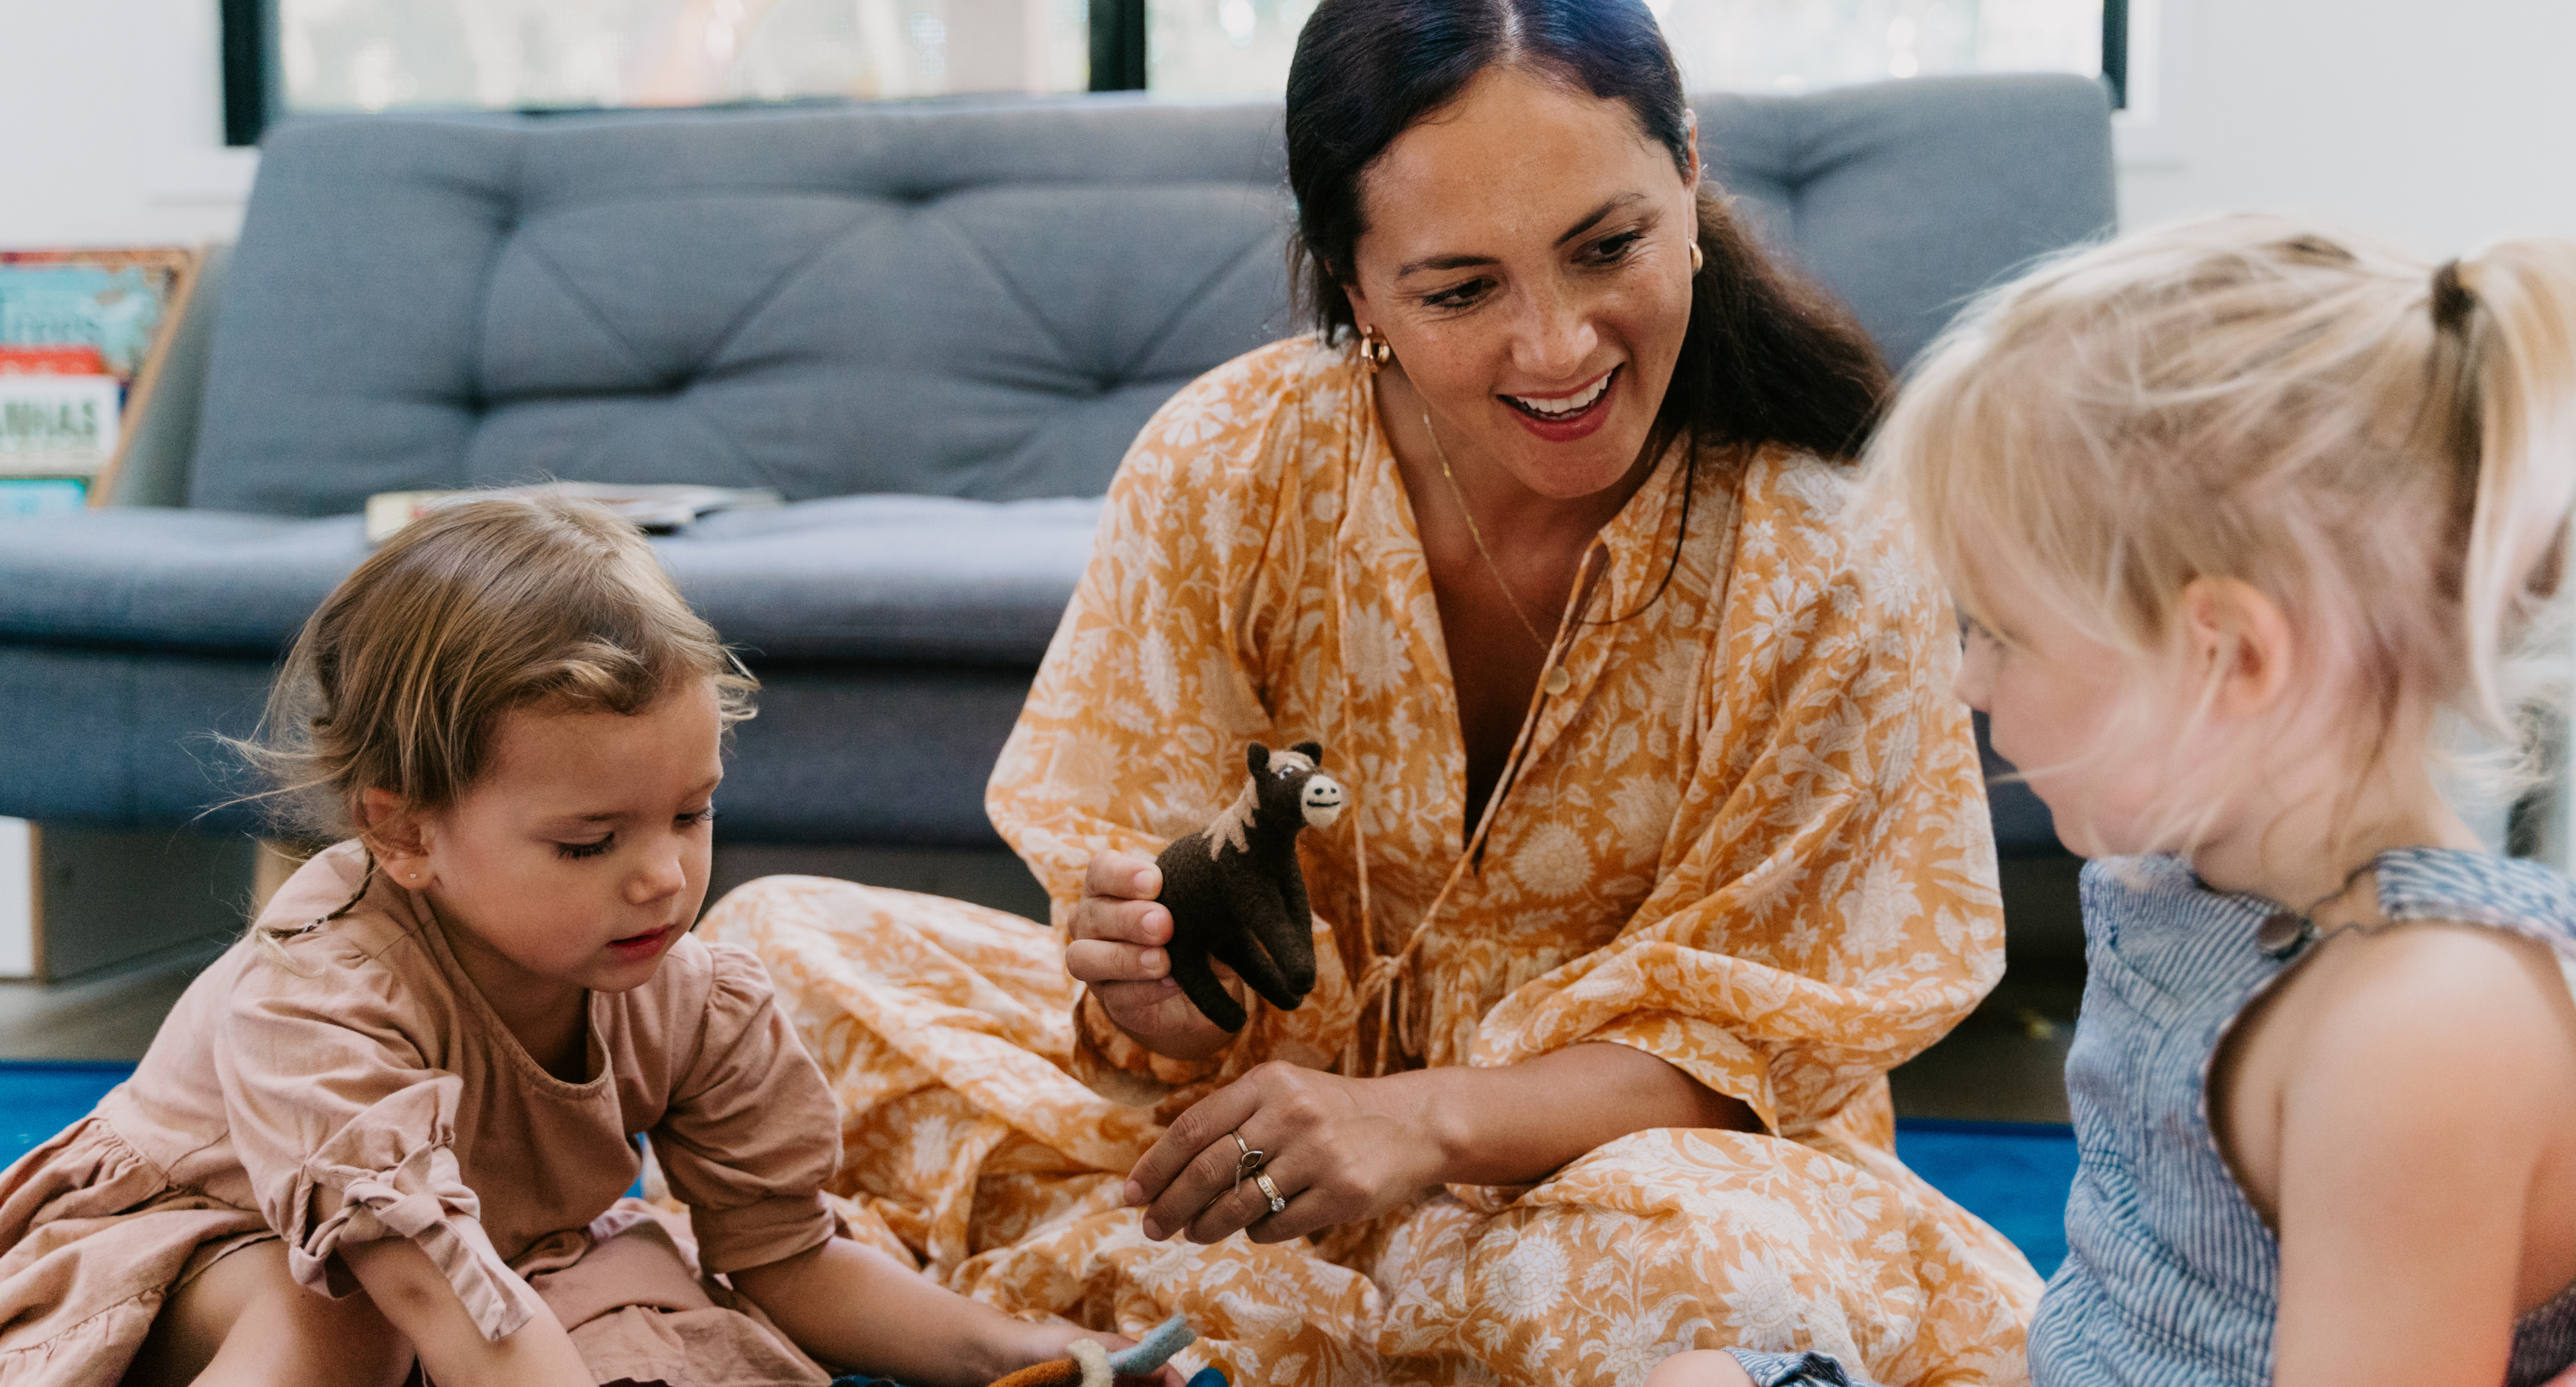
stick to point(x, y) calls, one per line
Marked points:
point(250, 70)
point(2115, 51)
point(253, 99)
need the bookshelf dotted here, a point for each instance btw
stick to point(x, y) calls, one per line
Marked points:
point(84, 336)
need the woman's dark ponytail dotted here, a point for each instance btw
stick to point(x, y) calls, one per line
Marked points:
point(1769, 357)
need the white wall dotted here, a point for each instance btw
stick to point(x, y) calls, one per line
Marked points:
point(115, 114)
point(2438, 122)
point(17, 899)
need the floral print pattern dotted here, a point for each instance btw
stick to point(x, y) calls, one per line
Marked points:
point(1750, 838)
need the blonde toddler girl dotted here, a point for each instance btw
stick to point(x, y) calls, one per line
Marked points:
point(2238, 516)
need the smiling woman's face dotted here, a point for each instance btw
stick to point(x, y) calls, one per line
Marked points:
point(1528, 258)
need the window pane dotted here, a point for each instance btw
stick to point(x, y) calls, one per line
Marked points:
point(377, 55)
point(1242, 47)
point(1221, 47)
point(1797, 45)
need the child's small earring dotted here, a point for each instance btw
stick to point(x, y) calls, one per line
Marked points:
point(1374, 350)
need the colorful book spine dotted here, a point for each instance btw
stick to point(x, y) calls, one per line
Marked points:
point(58, 426)
point(58, 360)
point(26, 497)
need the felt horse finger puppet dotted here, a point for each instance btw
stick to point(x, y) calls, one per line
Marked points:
point(1090, 1365)
point(1236, 893)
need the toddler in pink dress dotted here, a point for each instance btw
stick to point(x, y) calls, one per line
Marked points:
point(396, 1122)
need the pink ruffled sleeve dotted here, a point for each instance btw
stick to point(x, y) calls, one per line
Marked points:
point(347, 1136)
point(752, 1133)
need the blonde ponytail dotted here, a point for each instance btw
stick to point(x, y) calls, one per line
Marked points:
point(2385, 450)
point(2505, 331)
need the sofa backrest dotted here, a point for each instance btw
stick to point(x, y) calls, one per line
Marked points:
point(1906, 198)
point(977, 302)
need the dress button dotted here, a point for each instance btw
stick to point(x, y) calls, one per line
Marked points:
point(1558, 681)
point(2281, 933)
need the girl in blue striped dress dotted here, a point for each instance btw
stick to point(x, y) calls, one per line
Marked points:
point(2247, 522)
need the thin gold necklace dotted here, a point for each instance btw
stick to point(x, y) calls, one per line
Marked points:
point(1556, 680)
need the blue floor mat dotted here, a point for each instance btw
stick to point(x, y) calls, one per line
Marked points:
point(2012, 1175)
point(41, 1097)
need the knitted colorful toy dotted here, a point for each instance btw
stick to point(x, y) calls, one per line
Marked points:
point(1236, 893)
point(1094, 1366)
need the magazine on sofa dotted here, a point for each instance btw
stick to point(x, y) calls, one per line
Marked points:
point(661, 510)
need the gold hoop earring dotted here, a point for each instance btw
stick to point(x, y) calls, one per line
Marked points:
point(1374, 351)
point(1697, 260)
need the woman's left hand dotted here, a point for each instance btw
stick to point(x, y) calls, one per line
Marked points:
point(1338, 1150)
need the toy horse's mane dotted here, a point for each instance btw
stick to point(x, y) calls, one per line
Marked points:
point(1232, 828)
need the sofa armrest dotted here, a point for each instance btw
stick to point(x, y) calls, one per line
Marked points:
point(153, 470)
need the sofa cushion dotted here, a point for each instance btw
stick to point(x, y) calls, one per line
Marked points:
point(850, 579)
point(913, 579)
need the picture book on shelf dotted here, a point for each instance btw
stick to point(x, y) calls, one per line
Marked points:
point(57, 425)
point(94, 310)
point(21, 497)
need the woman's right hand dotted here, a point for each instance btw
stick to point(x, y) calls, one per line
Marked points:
point(1117, 951)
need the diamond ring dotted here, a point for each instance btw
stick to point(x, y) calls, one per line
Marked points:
point(1270, 1191)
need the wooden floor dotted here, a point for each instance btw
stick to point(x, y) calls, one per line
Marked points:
point(105, 1018)
point(2005, 1063)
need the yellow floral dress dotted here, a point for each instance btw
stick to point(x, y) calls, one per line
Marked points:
point(1748, 838)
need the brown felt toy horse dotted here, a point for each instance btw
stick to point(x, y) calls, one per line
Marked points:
point(1236, 893)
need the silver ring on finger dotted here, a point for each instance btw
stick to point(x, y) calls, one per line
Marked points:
point(1270, 1191)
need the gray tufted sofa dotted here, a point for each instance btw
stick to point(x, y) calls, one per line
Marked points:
point(934, 329)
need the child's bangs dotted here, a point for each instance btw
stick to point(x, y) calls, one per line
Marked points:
point(628, 639)
point(2006, 496)
point(484, 607)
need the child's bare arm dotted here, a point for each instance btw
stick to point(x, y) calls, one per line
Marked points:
point(410, 1291)
point(853, 1307)
point(2416, 1114)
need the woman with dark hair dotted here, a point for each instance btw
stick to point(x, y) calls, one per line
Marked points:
point(1667, 839)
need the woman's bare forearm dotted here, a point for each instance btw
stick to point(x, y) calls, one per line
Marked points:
point(1515, 1124)
point(410, 1291)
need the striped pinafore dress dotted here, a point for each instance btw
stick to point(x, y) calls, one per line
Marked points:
point(2171, 1279)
